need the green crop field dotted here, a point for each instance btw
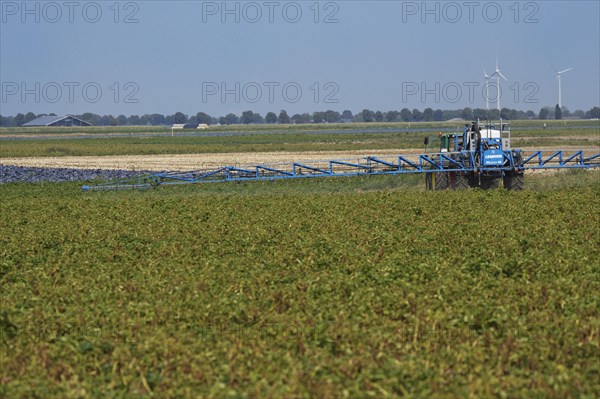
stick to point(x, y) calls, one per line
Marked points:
point(278, 140)
point(348, 287)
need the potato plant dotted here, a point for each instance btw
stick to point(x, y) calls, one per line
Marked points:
point(298, 289)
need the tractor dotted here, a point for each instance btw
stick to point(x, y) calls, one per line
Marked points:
point(485, 155)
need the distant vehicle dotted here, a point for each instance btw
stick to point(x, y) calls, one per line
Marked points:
point(190, 126)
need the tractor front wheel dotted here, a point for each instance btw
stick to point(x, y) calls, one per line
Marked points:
point(514, 182)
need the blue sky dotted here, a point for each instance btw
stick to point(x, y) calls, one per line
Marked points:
point(168, 56)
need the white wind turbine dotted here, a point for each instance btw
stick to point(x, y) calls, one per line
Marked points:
point(498, 75)
point(487, 88)
point(558, 74)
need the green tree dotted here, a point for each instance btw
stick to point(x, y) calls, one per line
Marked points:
point(417, 116)
point(332, 116)
point(271, 117)
point(247, 117)
point(392, 116)
point(283, 118)
point(29, 117)
point(406, 115)
point(428, 115)
point(122, 120)
point(257, 119)
point(19, 119)
point(202, 117)
point(318, 117)
point(133, 120)
point(543, 113)
point(179, 118)
point(480, 113)
point(92, 118)
point(145, 119)
point(108, 120)
point(557, 112)
point(231, 119)
point(368, 115)
point(347, 115)
point(467, 114)
point(301, 118)
point(7, 121)
point(157, 119)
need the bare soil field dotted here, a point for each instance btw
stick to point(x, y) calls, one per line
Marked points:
point(184, 162)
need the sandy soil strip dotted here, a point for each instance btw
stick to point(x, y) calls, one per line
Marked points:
point(185, 162)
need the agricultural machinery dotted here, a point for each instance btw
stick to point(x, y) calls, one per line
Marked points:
point(479, 156)
point(484, 154)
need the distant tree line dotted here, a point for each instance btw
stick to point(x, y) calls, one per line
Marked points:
point(366, 115)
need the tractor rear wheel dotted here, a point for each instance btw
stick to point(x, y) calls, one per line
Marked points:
point(514, 182)
point(489, 183)
point(441, 181)
point(461, 181)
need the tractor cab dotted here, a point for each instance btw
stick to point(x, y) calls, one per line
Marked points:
point(489, 142)
point(448, 142)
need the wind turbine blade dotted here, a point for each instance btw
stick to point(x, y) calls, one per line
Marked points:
point(484, 72)
point(566, 70)
point(555, 70)
point(502, 76)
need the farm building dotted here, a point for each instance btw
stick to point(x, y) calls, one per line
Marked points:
point(66, 120)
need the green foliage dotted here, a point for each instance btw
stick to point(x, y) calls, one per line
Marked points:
point(283, 118)
point(271, 117)
point(557, 112)
point(323, 288)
